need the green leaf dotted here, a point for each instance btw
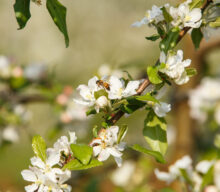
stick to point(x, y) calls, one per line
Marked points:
point(155, 132)
point(166, 15)
point(76, 165)
point(157, 155)
point(95, 131)
point(82, 152)
point(208, 177)
point(217, 141)
point(191, 72)
point(91, 111)
point(166, 190)
point(100, 93)
point(39, 147)
point(196, 4)
point(22, 12)
point(153, 37)
point(215, 23)
point(152, 72)
point(58, 13)
point(196, 36)
point(132, 105)
point(122, 132)
point(147, 97)
point(170, 40)
point(186, 176)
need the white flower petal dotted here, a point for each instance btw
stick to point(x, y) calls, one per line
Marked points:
point(118, 160)
point(96, 150)
point(104, 155)
point(131, 88)
point(31, 188)
point(73, 137)
point(114, 152)
point(164, 176)
point(37, 162)
point(29, 175)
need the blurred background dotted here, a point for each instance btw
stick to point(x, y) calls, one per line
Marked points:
point(100, 35)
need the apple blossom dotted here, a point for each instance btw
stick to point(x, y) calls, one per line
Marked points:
point(118, 90)
point(183, 16)
point(153, 16)
point(175, 66)
point(106, 144)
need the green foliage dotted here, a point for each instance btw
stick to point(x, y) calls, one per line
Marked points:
point(122, 132)
point(170, 40)
point(157, 155)
point(168, 18)
point(95, 131)
point(22, 12)
point(166, 190)
point(155, 132)
point(208, 177)
point(76, 165)
point(132, 105)
point(82, 152)
point(91, 111)
point(191, 71)
point(100, 93)
point(152, 72)
point(147, 97)
point(39, 147)
point(197, 37)
point(196, 4)
point(153, 37)
point(58, 13)
point(215, 23)
point(217, 141)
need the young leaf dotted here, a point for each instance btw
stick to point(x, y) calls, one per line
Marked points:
point(166, 15)
point(147, 97)
point(58, 13)
point(122, 132)
point(76, 165)
point(170, 40)
point(153, 37)
point(152, 72)
point(39, 147)
point(191, 72)
point(82, 152)
point(95, 131)
point(100, 93)
point(157, 155)
point(208, 177)
point(196, 4)
point(91, 111)
point(215, 23)
point(155, 132)
point(22, 12)
point(196, 36)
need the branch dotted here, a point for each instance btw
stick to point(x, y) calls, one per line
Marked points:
point(115, 117)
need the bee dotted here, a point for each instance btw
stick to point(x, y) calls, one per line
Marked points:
point(103, 84)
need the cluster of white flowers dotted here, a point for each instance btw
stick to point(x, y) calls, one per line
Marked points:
point(175, 66)
point(48, 175)
point(184, 164)
point(182, 16)
point(106, 70)
point(205, 98)
point(107, 144)
point(114, 88)
point(72, 111)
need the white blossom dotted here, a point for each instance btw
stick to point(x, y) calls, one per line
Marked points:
point(183, 16)
point(106, 70)
point(118, 89)
point(106, 144)
point(175, 66)
point(185, 163)
point(204, 166)
point(5, 69)
point(63, 144)
point(161, 109)
point(205, 97)
point(153, 16)
point(10, 133)
point(35, 72)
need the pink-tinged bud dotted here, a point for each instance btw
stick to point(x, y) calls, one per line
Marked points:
point(68, 90)
point(65, 118)
point(211, 188)
point(62, 99)
point(17, 72)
